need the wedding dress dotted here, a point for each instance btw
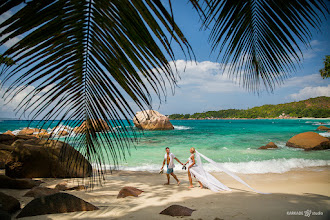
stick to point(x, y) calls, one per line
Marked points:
point(207, 179)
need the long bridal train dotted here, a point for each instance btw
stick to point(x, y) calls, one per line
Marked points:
point(210, 181)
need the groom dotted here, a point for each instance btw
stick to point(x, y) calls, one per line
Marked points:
point(169, 157)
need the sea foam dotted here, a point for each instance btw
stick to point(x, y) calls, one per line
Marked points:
point(251, 167)
point(176, 127)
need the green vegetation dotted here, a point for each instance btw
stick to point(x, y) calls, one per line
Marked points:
point(315, 107)
point(325, 72)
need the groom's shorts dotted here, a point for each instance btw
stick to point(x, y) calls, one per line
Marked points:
point(169, 170)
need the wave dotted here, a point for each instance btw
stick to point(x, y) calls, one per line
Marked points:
point(251, 167)
point(177, 127)
point(325, 134)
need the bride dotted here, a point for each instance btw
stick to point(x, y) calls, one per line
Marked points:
point(205, 179)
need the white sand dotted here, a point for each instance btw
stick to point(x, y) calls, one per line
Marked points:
point(299, 190)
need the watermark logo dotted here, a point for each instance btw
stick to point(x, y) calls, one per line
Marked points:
point(307, 213)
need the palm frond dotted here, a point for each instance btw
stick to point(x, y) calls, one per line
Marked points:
point(260, 40)
point(85, 58)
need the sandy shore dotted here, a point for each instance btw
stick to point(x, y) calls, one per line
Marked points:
point(298, 190)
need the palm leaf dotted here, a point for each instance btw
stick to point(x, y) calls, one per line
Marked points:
point(260, 40)
point(86, 59)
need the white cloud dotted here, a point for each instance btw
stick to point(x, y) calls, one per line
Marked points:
point(311, 92)
point(304, 81)
point(205, 76)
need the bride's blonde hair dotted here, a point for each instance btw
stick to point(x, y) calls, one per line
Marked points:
point(192, 149)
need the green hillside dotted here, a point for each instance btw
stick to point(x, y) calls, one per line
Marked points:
point(315, 107)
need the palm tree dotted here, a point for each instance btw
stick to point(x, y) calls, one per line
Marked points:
point(88, 58)
point(6, 63)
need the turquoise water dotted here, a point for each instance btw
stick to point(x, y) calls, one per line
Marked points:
point(231, 142)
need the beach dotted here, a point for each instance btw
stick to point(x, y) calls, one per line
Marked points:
point(292, 193)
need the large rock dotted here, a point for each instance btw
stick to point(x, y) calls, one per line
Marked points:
point(43, 135)
point(129, 191)
point(5, 156)
point(56, 203)
point(323, 128)
point(177, 210)
point(26, 131)
point(7, 139)
point(10, 183)
point(8, 203)
point(40, 191)
point(9, 132)
point(152, 120)
point(309, 141)
point(97, 125)
point(270, 145)
point(46, 158)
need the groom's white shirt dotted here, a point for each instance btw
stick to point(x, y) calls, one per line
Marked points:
point(171, 164)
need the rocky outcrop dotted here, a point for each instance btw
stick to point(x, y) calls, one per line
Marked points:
point(5, 157)
point(26, 131)
point(10, 183)
point(40, 191)
point(43, 135)
point(8, 203)
point(177, 210)
point(56, 203)
point(97, 125)
point(323, 128)
point(63, 133)
point(9, 133)
point(270, 145)
point(46, 158)
point(309, 141)
point(129, 191)
point(152, 120)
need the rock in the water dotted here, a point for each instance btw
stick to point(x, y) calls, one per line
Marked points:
point(40, 191)
point(8, 203)
point(63, 133)
point(270, 145)
point(46, 158)
point(129, 191)
point(56, 203)
point(323, 128)
point(309, 141)
point(177, 210)
point(9, 133)
point(5, 156)
point(10, 183)
point(26, 131)
point(152, 120)
point(97, 125)
point(43, 135)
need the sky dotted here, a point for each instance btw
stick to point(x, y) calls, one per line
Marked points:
point(204, 85)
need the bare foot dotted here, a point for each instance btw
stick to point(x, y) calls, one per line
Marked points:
point(191, 186)
point(179, 183)
point(201, 187)
point(166, 183)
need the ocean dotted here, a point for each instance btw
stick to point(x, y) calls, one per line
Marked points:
point(233, 143)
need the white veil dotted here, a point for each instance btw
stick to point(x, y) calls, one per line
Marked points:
point(210, 181)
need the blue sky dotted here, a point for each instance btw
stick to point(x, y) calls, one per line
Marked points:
point(205, 86)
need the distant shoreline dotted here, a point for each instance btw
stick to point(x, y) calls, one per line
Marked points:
point(192, 119)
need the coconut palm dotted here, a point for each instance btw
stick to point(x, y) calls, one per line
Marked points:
point(90, 59)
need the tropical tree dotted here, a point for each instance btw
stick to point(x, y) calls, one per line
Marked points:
point(5, 63)
point(325, 72)
point(91, 58)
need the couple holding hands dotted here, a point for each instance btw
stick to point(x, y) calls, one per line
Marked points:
point(192, 166)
